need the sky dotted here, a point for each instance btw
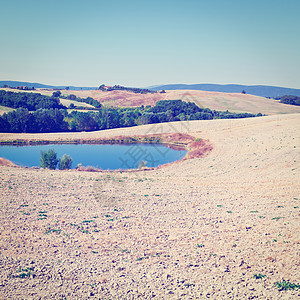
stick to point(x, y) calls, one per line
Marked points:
point(144, 43)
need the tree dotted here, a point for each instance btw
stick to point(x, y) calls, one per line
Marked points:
point(48, 159)
point(56, 94)
point(4, 125)
point(102, 87)
point(243, 92)
point(65, 162)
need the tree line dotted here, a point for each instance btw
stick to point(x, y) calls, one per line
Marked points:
point(57, 120)
point(30, 101)
point(123, 88)
point(88, 100)
point(289, 99)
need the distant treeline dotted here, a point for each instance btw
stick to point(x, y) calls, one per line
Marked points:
point(123, 88)
point(23, 87)
point(87, 100)
point(30, 101)
point(54, 120)
point(289, 99)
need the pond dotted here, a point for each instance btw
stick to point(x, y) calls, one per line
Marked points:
point(105, 157)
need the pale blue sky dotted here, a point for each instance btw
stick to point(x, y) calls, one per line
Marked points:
point(143, 43)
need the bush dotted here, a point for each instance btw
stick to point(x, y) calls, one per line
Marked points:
point(65, 162)
point(48, 159)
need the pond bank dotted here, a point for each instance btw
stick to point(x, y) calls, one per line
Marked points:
point(177, 141)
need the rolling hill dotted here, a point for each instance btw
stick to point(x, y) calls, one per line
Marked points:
point(235, 102)
point(258, 90)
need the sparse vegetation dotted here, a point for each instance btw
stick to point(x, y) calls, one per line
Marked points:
point(286, 285)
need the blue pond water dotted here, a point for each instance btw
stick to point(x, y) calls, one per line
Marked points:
point(106, 157)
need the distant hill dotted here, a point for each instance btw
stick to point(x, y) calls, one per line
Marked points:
point(42, 86)
point(257, 90)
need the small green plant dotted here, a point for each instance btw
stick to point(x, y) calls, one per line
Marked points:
point(229, 211)
point(188, 284)
point(253, 211)
point(200, 245)
point(25, 272)
point(48, 159)
point(142, 164)
point(65, 163)
point(219, 205)
point(286, 285)
point(259, 276)
point(53, 230)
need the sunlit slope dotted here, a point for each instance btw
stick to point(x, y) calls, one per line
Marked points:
point(235, 102)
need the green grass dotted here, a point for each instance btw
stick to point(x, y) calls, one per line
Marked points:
point(53, 230)
point(277, 218)
point(188, 284)
point(25, 272)
point(286, 285)
point(259, 276)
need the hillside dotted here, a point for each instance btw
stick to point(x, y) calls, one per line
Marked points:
point(40, 85)
point(235, 102)
point(258, 90)
point(199, 228)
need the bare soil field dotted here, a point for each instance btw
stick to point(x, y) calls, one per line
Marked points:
point(198, 229)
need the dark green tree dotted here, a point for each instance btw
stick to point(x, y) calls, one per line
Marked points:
point(48, 159)
point(56, 94)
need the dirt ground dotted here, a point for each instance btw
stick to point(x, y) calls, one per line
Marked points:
point(198, 229)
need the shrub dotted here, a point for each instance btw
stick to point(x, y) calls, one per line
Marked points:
point(142, 164)
point(48, 159)
point(65, 162)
